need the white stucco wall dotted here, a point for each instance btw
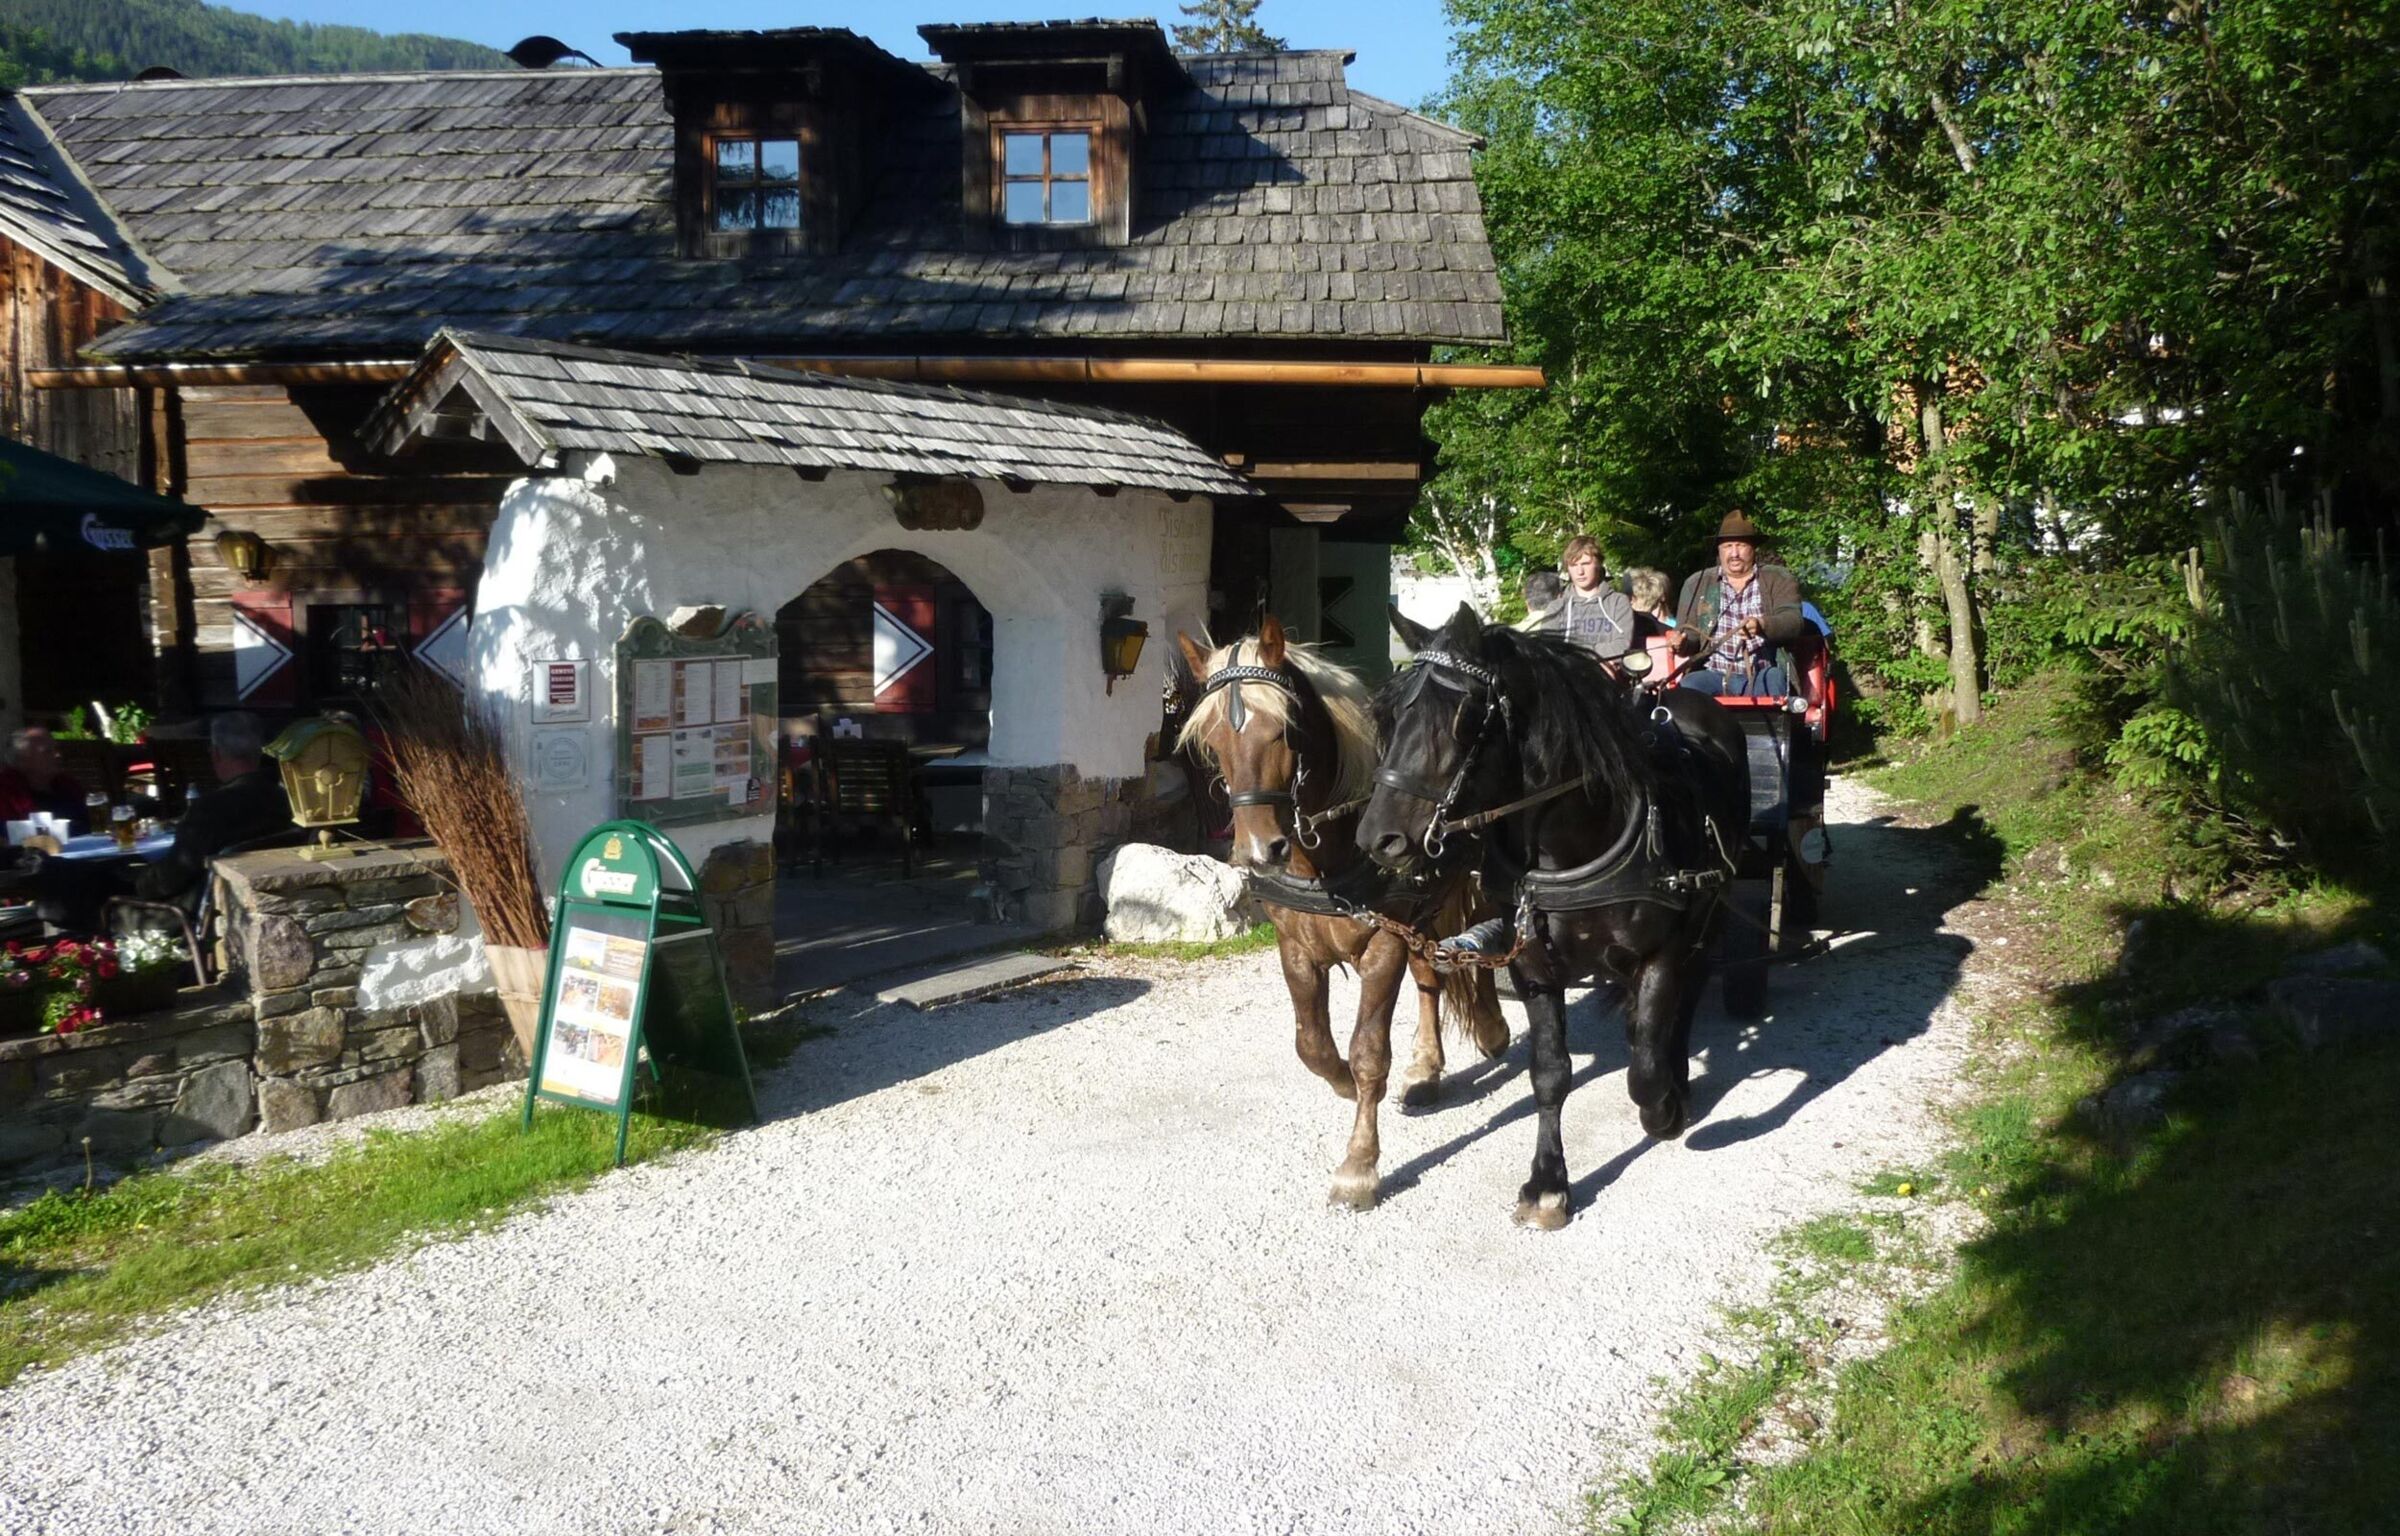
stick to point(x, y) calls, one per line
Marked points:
point(576, 557)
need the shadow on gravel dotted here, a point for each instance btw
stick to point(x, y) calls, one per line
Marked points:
point(1888, 970)
point(876, 1045)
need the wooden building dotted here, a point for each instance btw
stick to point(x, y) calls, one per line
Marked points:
point(1239, 246)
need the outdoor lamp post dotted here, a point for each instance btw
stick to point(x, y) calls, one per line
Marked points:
point(1121, 637)
point(324, 765)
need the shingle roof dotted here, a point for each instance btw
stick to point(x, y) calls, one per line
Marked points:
point(43, 206)
point(549, 397)
point(355, 215)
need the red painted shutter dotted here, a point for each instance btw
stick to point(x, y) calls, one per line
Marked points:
point(437, 631)
point(907, 677)
point(266, 665)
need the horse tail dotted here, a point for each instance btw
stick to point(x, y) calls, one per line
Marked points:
point(1470, 998)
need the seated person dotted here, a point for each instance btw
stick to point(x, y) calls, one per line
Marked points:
point(35, 780)
point(1591, 613)
point(1544, 590)
point(248, 803)
point(1648, 589)
point(1747, 608)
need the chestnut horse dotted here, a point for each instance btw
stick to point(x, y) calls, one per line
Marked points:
point(1292, 737)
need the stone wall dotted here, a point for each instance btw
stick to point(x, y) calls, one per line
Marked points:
point(159, 1079)
point(737, 892)
point(1045, 831)
point(307, 933)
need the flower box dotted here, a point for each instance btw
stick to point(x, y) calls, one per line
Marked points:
point(145, 991)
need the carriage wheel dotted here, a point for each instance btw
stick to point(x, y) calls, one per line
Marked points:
point(1744, 952)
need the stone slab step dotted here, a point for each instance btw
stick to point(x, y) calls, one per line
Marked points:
point(978, 978)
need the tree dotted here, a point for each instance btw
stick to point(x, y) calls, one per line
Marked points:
point(1223, 26)
point(1925, 281)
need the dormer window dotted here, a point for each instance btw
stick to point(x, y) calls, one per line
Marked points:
point(755, 185)
point(1046, 175)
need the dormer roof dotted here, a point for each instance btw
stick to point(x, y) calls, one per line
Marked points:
point(354, 216)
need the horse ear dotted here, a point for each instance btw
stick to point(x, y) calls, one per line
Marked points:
point(1411, 633)
point(1270, 641)
point(1465, 629)
point(1195, 656)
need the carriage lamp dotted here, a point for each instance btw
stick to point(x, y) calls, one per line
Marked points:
point(1121, 637)
point(324, 763)
point(242, 552)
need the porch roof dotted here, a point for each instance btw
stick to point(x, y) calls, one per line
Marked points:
point(543, 398)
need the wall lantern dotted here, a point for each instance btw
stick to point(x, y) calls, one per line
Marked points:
point(324, 762)
point(922, 503)
point(242, 552)
point(1121, 637)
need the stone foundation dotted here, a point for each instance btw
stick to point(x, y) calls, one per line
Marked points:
point(1045, 831)
point(737, 892)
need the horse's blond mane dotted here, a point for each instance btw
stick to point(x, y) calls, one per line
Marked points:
point(1345, 699)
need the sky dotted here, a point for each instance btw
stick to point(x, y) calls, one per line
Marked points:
point(1402, 45)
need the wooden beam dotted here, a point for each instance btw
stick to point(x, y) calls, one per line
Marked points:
point(926, 368)
point(1367, 469)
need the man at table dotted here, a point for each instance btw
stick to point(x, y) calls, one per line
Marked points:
point(248, 803)
point(35, 780)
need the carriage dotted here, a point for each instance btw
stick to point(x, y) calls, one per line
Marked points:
point(1780, 867)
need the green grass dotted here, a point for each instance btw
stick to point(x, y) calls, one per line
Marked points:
point(2193, 1330)
point(1262, 936)
point(78, 1271)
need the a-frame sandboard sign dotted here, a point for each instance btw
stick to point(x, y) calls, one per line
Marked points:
point(636, 979)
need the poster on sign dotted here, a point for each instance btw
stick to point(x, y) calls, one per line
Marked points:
point(561, 692)
point(696, 721)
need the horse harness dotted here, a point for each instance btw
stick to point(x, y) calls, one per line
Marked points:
point(1635, 867)
point(1353, 893)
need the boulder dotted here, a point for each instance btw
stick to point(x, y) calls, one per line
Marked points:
point(215, 1103)
point(2341, 960)
point(1155, 895)
point(2326, 1010)
point(2140, 1100)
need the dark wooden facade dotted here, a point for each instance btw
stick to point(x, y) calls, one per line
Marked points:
point(826, 639)
point(85, 627)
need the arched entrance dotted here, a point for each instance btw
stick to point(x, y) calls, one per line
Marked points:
point(886, 690)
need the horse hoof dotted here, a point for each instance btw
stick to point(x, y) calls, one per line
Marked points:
point(1420, 1092)
point(1546, 1213)
point(1353, 1191)
point(1665, 1121)
point(1494, 1043)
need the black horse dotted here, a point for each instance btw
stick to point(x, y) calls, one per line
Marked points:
point(1616, 866)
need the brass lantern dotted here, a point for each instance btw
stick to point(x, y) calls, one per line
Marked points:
point(1121, 637)
point(324, 764)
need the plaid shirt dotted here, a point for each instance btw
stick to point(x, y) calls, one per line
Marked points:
point(1736, 653)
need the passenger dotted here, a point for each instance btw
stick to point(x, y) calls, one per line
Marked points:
point(247, 804)
point(1592, 613)
point(1543, 590)
point(1747, 608)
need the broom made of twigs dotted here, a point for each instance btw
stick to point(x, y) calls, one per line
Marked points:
point(448, 762)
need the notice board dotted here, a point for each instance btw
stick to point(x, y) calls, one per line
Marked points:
point(696, 722)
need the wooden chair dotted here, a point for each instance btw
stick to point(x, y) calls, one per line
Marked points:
point(868, 780)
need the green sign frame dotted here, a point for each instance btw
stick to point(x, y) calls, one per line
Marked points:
point(696, 722)
point(635, 978)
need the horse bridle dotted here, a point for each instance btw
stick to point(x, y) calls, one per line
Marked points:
point(1237, 715)
point(1480, 678)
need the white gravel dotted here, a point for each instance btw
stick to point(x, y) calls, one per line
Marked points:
point(1055, 1262)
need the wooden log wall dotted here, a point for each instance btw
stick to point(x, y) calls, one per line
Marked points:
point(339, 527)
point(83, 616)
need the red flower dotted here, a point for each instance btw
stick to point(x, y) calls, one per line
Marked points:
point(108, 970)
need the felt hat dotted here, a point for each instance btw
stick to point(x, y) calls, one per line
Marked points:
point(1736, 526)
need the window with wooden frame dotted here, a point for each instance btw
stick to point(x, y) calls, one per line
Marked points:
point(1045, 176)
point(754, 183)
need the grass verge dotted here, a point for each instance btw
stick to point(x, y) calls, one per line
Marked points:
point(2187, 1327)
point(79, 1271)
point(1261, 936)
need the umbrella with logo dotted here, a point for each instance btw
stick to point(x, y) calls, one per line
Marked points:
point(51, 505)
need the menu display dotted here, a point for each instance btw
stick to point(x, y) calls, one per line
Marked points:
point(697, 722)
point(591, 1021)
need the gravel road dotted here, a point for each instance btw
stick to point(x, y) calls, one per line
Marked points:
point(1055, 1262)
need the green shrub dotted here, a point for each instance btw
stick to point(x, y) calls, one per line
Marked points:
point(2291, 675)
